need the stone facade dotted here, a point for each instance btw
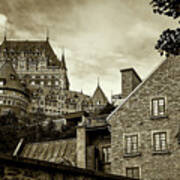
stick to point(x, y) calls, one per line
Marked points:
point(13, 95)
point(129, 81)
point(145, 129)
point(45, 75)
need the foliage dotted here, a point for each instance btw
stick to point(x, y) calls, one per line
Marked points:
point(169, 42)
point(166, 7)
point(12, 130)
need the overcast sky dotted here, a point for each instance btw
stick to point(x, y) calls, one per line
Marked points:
point(100, 36)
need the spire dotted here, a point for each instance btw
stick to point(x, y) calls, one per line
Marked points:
point(5, 33)
point(98, 82)
point(63, 63)
point(47, 34)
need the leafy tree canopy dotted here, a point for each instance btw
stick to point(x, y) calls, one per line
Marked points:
point(169, 42)
point(166, 7)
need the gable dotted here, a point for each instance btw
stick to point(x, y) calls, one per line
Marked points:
point(162, 75)
point(99, 96)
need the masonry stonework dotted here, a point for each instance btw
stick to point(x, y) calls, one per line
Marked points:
point(134, 116)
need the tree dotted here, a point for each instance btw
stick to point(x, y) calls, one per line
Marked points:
point(169, 42)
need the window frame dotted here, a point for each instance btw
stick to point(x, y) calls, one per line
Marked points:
point(158, 106)
point(106, 158)
point(160, 141)
point(132, 172)
point(161, 151)
point(132, 150)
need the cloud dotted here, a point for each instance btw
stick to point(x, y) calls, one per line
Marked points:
point(100, 36)
point(3, 20)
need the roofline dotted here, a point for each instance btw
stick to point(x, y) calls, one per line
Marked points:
point(132, 69)
point(134, 91)
point(13, 89)
point(97, 128)
point(51, 167)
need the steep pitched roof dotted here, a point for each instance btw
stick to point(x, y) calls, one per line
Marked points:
point(63, 61)
point(8, 73)
point(99, 95)
point(29, 47)
point(137, 88)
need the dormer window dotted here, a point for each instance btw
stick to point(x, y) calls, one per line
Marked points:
point(2, 82)
point(12, 77)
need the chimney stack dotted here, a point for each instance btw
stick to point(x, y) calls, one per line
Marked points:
point(130, 80)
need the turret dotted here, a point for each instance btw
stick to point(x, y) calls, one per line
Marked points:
point(13, 95)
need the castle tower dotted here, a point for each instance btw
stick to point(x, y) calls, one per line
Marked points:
point(13, 95)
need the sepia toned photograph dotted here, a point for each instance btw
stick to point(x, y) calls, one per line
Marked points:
point(89, 89)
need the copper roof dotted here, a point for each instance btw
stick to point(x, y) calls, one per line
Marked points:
point(10, 77)
point(12, 48)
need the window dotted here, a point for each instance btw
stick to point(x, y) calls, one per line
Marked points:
point(158, 107)
point(33, 83)
point(12, 77)
point(132, 172)
point(49, 83)
point(106, 153)
point(1, 91)
point(131, 144)
point(1, 83)
point(56, 83)
point(160, 141)
point(42, 83)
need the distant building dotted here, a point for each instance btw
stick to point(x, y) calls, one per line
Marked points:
point(145, 128)
point(13, 95)
point(39, 70)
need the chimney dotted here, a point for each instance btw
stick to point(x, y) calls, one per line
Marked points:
point(81, 144)
point(130, 80)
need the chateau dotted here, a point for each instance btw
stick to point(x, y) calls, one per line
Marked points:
point(36, 68)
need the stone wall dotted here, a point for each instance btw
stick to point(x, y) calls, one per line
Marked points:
point(134, 117)
point(24, 169)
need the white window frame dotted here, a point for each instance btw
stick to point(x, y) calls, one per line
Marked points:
point(125, 135)
point(167, 139)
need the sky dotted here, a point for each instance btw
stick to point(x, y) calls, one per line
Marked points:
point(100, 37)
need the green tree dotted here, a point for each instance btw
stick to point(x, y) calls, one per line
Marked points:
point(169, 42)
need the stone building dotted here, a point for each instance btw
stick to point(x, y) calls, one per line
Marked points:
point(89, 147)
point(45, 75)
point(129, 81)
point(145, 128)
point(13, 95)
point(29, 169)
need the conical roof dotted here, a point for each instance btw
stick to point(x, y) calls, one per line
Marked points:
point(9, 75)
